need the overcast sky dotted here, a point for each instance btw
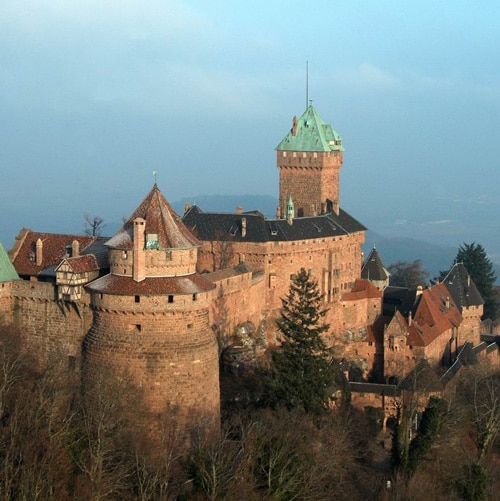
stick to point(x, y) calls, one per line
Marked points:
point(95, 95)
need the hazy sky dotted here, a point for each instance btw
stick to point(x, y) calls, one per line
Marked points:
point(95, 94)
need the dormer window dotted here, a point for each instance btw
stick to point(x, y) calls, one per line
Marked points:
point(152, 241)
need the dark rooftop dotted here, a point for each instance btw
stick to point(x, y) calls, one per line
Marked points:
point(228, 226)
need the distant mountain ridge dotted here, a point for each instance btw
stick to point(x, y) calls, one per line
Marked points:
point(434, 257)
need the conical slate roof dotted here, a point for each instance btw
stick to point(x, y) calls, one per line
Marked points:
point(311, 133)
point(462, 288)
point(161, 220)
point(373, 268)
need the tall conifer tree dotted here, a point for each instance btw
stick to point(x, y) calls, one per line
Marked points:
point(474, 258)
point(300, 372)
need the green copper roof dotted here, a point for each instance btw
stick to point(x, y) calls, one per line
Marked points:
point(311, 134)
point(7, 270)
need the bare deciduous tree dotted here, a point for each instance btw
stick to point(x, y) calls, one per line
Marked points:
point(93, 225)
point(480, 394)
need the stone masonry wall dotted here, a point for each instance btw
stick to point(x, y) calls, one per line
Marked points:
point(48, 326)
point(470, 328)
point(352, 342)
point(309, 178)
point(171, 354)
point(237, 300)
point(6, 303)
point(335, 262)
point(158, 263)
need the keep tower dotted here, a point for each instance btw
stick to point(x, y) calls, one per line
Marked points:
point(151, 317)
point(309, 159)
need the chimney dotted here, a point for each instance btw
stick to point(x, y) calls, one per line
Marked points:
point(239, 209)
point(187, 206)
point(420, 290)
point(139, 267)
point(243, 226)
point(294, 126)
point(336, 207)
point(39, 252)
point(278, 212)
point(447, 303)
point(409, 318)
point(75, 248)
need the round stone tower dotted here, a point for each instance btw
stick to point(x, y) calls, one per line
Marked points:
point(151, 317)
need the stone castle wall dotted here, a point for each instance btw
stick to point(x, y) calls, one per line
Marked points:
point(352, 343)
point(49, 326)
point(236, 300)
point(470, 328)
point(6, 302)
point(158, 263)
point(334, 262)
point(169, 351)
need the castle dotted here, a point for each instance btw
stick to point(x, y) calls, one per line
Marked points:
point(164, 296)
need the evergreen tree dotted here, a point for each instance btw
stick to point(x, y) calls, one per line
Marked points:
point(474, 258)
point(300, 371)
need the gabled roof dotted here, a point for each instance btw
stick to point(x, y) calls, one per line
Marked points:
point(462, 288)
point(225, 226)
point(435, 313)
point(7, 270)
point(311, 133)
point(81, 264)
point(161, 220)
point(373, 268)
point(55, 248)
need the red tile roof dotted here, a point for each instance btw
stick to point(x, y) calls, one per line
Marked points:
point(120, 285)
point(363, 289)
point(82, 264)
point(54, 250)
point(435, 313)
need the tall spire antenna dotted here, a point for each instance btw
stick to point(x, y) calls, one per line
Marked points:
point(307, 84)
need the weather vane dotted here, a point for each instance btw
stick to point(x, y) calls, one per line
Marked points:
point(155, 174)
point(307, 83)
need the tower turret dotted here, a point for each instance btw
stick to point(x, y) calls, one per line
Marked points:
point(151, 317)
point(309, 159)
